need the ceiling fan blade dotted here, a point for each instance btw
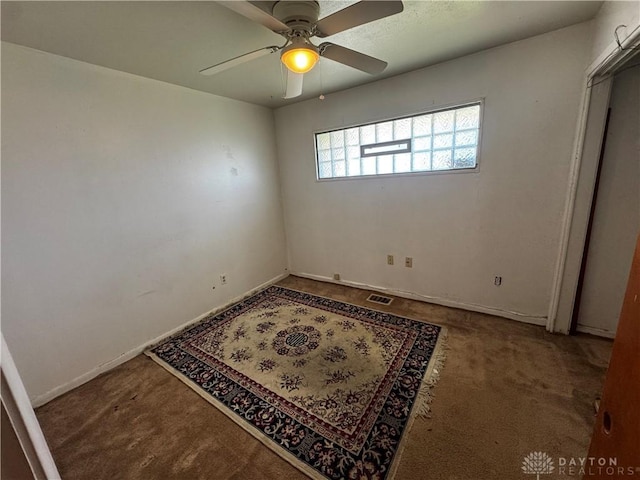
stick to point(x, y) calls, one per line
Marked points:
point(357, 14)
point(351, 58)
point(252, 12)
point(294, 84)
point(227, 64)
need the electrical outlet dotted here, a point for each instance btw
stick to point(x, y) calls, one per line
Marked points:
point(223, 279)
point(497, 281)
point(389, 259)
point(408, 262)
point(336, 276)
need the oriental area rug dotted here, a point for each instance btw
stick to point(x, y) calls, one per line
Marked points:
point(329, 386)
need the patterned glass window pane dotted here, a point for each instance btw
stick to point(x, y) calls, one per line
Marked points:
point(385, 164)
point(468, 117)
point(422, 143)
point(422, 161)
point(464, 158)
point(353, 136)
point(324, 155)
point(325, 170)
point(443, 122)
point(402, 163)
point(353, 168)
point(442, 160)
point(339, 169)
point(442, 141)
point(369, 166)
point(367, 134)
point(422, 125)
point(468, 137)
point(353, 152)
point(402, 129)
point(324, 141)
point(384, 132)
point(337, 139)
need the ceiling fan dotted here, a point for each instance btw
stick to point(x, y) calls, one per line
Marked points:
point(297, 21)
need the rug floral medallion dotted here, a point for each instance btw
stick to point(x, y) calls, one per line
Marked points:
point(332, 387)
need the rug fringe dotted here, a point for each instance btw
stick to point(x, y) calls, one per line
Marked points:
point(422, 405)
point(425, 395)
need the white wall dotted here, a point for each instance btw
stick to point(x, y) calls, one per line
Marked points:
point(123, 200)
point(461, 229)
point(616, 220)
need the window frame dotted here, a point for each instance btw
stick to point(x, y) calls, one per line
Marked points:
point(440, 108)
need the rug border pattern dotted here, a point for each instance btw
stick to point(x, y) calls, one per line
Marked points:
point(419, 406)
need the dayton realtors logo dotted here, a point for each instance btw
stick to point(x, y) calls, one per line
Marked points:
point(537, 463)
point(540, 463)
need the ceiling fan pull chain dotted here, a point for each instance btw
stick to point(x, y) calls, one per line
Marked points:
point(320, 68)
point(282, 81)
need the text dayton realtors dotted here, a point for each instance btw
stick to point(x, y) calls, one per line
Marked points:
point(594, 465)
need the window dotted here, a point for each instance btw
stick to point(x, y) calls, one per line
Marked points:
point(434, 141)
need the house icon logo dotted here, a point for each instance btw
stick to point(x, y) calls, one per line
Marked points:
point(537, 463)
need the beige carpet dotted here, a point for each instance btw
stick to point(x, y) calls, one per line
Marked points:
point(507, 389)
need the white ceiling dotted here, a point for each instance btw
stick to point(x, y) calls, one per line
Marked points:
point(172, 41)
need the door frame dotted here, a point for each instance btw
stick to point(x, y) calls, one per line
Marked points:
point(23, 419)
point(583, 168)
point(587, 241)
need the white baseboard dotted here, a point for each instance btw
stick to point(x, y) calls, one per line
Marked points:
point(595, 331)
point(105, 367)
point(521, 317)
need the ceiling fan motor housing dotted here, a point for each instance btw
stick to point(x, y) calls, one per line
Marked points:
point(297, 15)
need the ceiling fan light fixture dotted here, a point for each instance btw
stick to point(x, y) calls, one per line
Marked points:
point(300, 56)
